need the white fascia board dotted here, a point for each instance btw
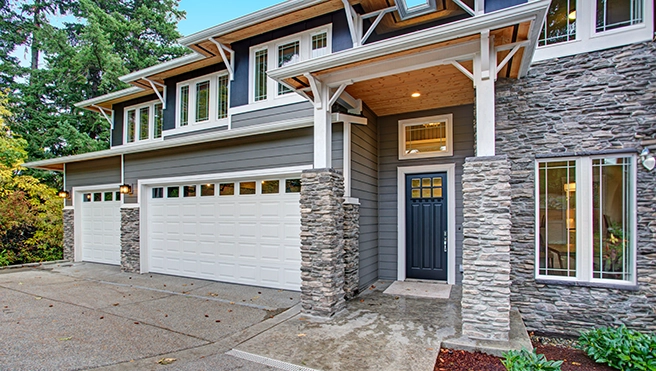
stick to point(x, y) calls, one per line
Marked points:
point(249, 20)
point(110, 96)
point(162, 67)
point(531, 11)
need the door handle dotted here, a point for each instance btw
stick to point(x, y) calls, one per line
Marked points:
point(445, 240)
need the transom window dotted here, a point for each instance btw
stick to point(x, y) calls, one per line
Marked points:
point(426, 137)
point(203, 100)
point(306, 45)
point(143, 122)
point(590, 17)
point(586, 219)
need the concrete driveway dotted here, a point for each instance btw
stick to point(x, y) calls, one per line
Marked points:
point(86, 316)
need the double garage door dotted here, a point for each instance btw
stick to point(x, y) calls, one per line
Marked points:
point(241, 231)
point(101, 227)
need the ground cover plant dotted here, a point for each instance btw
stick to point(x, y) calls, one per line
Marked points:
point(621, 348)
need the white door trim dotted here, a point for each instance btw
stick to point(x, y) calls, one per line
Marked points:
point(143, 185)
point(450, 170)
point(77, 213)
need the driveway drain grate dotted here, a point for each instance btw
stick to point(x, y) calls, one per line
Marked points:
point(267, 361)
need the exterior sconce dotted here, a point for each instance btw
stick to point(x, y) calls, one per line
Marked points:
point(125, 189)
point(64, 194)
point(647, 159)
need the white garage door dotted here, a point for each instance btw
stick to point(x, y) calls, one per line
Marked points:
point(244, 231)
point(101, 227)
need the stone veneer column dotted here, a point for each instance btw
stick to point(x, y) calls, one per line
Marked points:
point(351, 250)
point(486, 248)
point(322, 242)
point(130, 254)
point(69, 234)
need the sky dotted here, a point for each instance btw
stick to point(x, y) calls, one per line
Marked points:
point(200, 16)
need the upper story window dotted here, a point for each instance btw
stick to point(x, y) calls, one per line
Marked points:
point(143, 122)
point(579, 26)
point(586, 219)
point(279, 53)
point(426, 137)
point(203, 100)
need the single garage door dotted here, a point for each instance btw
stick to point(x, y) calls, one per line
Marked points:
point(101, 227)
point(241, 231)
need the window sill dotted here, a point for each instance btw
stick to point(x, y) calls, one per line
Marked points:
point(601, 285)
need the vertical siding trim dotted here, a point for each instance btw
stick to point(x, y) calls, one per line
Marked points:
point(450, 170)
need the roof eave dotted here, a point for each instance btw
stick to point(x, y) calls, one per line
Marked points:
point(162, 67)
point(249, 20)
point(107, 97)
point(532, 11)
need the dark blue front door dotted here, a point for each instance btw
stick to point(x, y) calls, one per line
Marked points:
point(426, 226)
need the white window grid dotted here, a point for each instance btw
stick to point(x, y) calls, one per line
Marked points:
point(447, 119)
point(138, 124)
point(214, 116)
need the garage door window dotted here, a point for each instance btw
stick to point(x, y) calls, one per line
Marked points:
point(173, 192)
point(292, 186)
point(86, 197)
point(207, 190)
point(97, 197)
point(227, 189)
point(158, 192)
point(190, 191)
point(270, 186)
point(247, 188)
point(109, 196)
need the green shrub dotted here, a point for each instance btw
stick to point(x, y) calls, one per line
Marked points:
point(620, 348)
point(522, 360)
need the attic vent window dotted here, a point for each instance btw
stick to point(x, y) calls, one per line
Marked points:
point(415, 8)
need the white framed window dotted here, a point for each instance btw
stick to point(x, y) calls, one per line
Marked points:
point(143, 122)
point(203, 100)
point(585, 219)
point(426, 137)
point(579, 26)
point(282, 52)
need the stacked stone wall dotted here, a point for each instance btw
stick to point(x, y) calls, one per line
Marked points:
point(486, 248)
point(69, 234)
point(130, 239)
point(351, 250)
point(322, 242)
point(576, 105)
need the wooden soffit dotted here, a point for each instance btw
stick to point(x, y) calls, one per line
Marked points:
point(392, 21)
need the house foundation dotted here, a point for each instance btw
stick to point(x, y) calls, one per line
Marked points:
point(322, 242)
point(486, 248)
point(130, 238)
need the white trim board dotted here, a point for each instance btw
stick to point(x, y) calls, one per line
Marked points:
point(450, 170)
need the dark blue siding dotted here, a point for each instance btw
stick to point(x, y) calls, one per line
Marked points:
point(492, 5)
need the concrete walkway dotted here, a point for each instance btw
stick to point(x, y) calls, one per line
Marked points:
point(88, 316)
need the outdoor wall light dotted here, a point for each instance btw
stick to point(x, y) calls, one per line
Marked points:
point(647, 159)
point(125, 189)
point(64, 194)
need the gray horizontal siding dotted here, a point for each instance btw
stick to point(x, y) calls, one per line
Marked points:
point(93, 173)
point(273, 114)
point(283, 149)
point(196, 132)
point(463, 144)
point(364, 179)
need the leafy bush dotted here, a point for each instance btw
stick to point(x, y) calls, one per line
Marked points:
point(522, 360)
point(621, 348)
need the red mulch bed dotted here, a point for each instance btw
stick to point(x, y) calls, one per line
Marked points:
point(460, 360)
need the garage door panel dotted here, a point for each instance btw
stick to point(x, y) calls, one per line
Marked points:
point(100, 228)
point(248, 239)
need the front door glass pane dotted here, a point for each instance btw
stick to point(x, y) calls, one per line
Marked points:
point(610, 225)
point(557, 190)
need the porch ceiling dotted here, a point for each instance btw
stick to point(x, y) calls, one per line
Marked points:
point(439, 86)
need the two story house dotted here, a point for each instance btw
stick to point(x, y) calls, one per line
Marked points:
point(321, 145)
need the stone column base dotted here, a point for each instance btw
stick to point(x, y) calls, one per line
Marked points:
point(486, 248)
point(351, 250)
point(69, 234)
point(130, 239)
point(322, 242)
